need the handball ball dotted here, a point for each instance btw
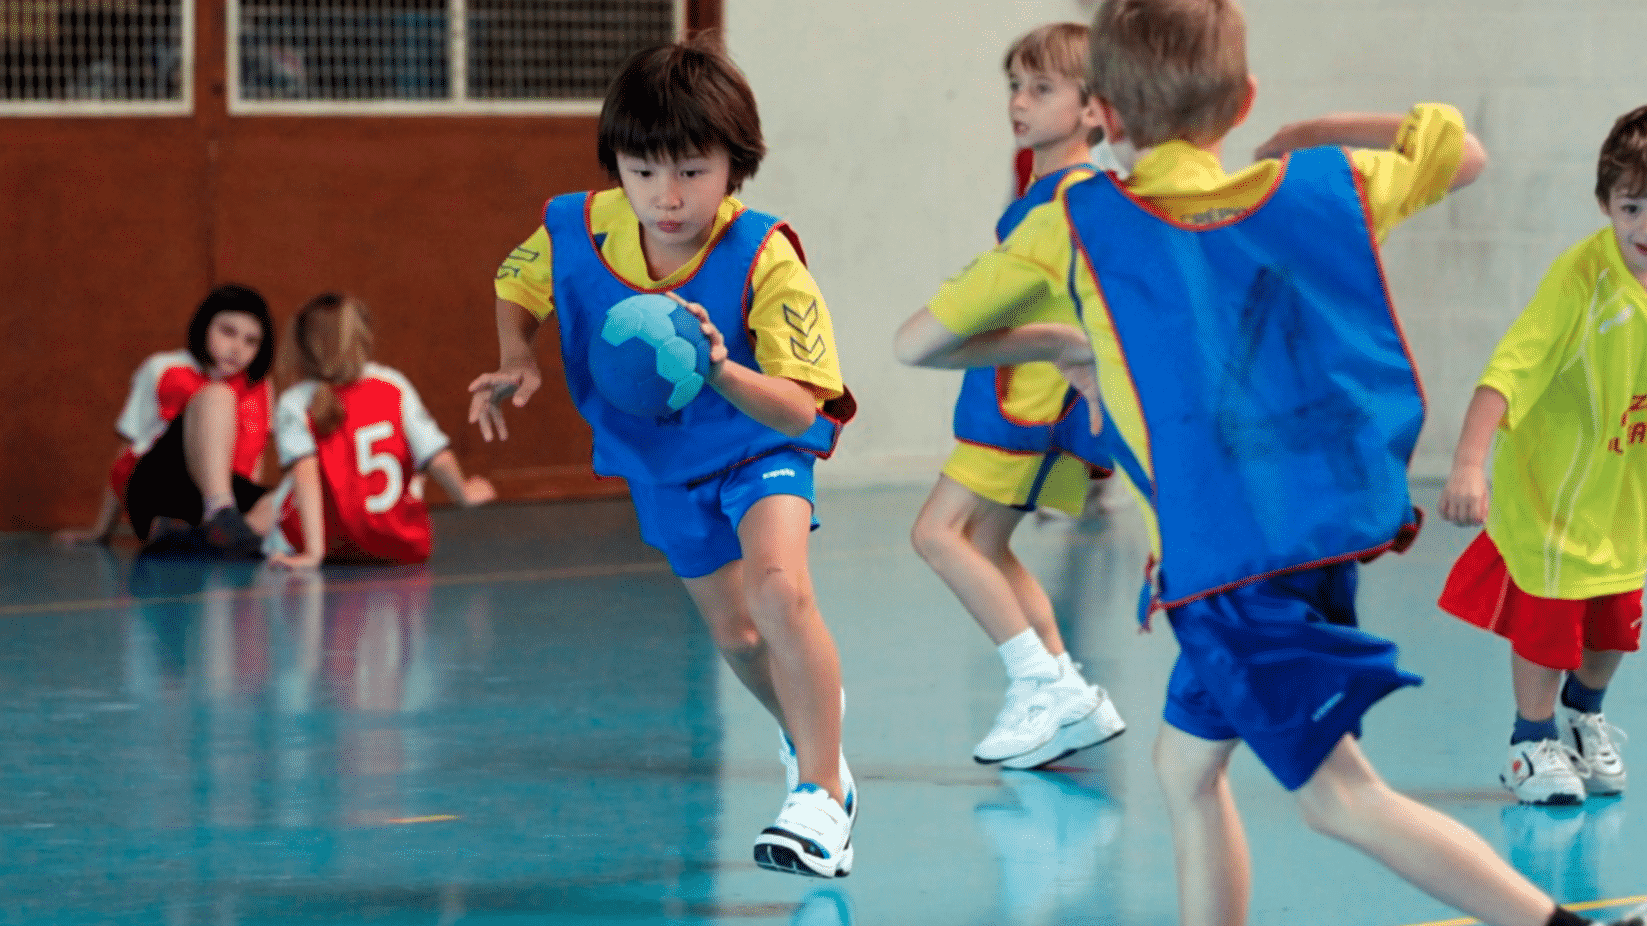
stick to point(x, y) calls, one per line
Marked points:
point(650, 357)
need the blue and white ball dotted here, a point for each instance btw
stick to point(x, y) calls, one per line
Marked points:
point(650, 357)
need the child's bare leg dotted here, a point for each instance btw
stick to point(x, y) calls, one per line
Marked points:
point(801, 657)
point(209, 428)
point(992, 535)
point(261, 517)
point(719, 597)
point(1214, 870)
point(1346, 800)
point(1598, 667)
point(1535, 688)
point(943, 536)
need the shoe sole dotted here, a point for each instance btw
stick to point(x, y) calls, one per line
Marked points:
point(1082, 734)
point(996, 760)
point(779, 851)
point(1554, 800)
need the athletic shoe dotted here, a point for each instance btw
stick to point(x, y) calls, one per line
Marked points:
point(228, 534)
point(812, 836)
point(1544, 772)
point(792, 774)
point(172, 537)
point(1100, 725)
point(1034, 710)
point(1594, 739)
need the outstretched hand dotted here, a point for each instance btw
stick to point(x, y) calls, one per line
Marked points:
point(488, 391)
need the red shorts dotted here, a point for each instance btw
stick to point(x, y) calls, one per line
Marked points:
point(1551, 632)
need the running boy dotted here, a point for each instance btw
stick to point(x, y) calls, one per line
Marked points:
point(1005, 462)
point(1214, 306)
point(724, 488)
point(1558, 570)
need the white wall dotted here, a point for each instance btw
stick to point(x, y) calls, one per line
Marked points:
point(889, 153)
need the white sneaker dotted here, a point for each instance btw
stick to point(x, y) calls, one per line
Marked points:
point(792, 774)
point(812, 836)
point(1100, 725)
point(1544, 772)
point(1034, 710)
point(1594, 739)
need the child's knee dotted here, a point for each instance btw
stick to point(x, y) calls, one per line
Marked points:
point(932, 538)
point(779, 591)
point(213, 400)
point(736, 638)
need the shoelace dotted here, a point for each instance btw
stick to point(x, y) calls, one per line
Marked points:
point(1556, 750)
point(1597, 726)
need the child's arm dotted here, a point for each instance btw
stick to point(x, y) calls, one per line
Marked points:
point(1365, 130)
point(780, 403)
point(923, 341)
point(1464, 500)
point(475, 490)
point(306, 490)
point(517, 375)
point(108, 517)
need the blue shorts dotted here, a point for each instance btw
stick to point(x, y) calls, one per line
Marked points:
point(696, 527)
point(1280, 665)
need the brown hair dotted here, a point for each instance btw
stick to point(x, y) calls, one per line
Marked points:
point(330, 342)
point(1055, 48)
point(678, 100)
point(1623, 165)
point(1172, 69)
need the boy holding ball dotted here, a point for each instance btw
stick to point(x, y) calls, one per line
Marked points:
point(722, 487)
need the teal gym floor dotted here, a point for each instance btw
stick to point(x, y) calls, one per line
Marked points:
point(534, 728)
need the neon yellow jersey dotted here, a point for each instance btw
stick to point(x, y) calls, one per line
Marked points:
point(783, 289)
point(1187, 185)
point(1569, 492)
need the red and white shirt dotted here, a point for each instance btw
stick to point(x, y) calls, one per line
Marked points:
point(368, 465)
point(162, 388)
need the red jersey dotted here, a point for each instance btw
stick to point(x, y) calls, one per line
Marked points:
point(162, 388)
point(368, 465)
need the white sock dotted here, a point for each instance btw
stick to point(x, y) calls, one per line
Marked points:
point(1071, 670)
point(1026, 656)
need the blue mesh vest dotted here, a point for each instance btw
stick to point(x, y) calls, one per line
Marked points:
point(980, 416)
point(709, 435)
point(1279, 402)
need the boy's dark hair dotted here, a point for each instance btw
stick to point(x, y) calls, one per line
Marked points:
point(1622, 168)
point(678, 100)
point(232, 297)
point(1172, 69)
point(1055, 48)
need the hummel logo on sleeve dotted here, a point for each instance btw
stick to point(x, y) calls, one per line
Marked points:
point(804, 344)
point(778, 472)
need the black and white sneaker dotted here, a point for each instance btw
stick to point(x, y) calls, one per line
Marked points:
point(812, 836)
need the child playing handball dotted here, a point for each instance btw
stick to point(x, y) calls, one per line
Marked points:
point(1005, 463)
point(1239, 332)
point(1558, 570)
point(195, 425)
point(723, 487)
point(354, 437)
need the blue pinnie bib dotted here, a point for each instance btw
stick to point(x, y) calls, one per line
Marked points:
point(707, 436)
point(979, 416)
point(1279, 402)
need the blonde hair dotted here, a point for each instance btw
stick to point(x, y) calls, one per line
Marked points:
point(330, 342)
point(1055, 48)
point(1172, 69)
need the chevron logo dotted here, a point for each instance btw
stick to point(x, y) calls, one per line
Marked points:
point(802, 322)
point(811, 353)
